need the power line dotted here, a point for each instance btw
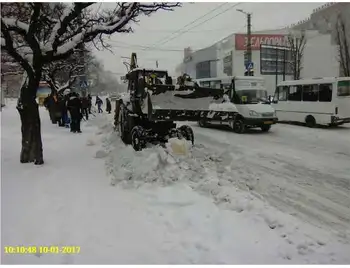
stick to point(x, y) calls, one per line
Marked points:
point(198, 31)
point(201, 23)
point(142, 48)
point(188, 24)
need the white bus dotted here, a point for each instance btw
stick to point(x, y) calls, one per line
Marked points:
point(249, 96)
point(318, 101)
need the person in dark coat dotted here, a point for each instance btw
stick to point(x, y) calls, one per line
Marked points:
point(108, 106)
point(52, 106)
point(90, 103)
point(99, 103)
point(75, 109)
point(85, 107)
point(63, 110)
point(47, 103)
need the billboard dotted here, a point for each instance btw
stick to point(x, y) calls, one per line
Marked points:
point(256, 40)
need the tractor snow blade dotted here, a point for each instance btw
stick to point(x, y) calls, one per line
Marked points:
point(166, 102)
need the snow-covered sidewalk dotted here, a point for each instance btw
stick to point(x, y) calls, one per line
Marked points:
point(158, 212)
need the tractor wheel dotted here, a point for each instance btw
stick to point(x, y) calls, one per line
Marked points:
point(138, 141)
point(202, 123)
point(187, 133)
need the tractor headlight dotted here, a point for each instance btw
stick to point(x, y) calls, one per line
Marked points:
point(253, 113)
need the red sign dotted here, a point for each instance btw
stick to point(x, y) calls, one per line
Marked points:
point(256, 40)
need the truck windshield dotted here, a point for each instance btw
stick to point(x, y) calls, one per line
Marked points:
point(250, 96)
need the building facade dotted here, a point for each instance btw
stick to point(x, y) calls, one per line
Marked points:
point(320, 57)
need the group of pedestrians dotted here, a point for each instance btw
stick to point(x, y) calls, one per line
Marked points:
point(68, 109)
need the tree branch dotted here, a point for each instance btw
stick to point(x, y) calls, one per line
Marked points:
point(7, 44)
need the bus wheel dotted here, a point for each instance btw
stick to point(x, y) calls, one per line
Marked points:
point(310, 121)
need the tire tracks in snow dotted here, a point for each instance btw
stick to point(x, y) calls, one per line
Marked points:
point(314, 196)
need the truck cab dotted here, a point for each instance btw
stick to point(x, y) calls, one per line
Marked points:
point(250, 97)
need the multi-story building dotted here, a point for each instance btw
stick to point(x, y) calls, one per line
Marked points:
point(320, 56)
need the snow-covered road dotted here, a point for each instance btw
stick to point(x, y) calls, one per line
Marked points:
point(301, 171)
point(229, 202)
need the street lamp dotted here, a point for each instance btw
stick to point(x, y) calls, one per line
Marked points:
point(242, 11)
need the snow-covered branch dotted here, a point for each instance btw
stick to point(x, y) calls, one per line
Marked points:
point(39, 34)
point(15, 24)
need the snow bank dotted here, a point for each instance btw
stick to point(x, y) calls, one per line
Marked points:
point(168, 100)
point(178, 147)
point(210, 174)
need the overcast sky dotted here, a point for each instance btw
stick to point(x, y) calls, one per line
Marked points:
point(154, 30)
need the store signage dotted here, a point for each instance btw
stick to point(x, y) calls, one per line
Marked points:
point(241, 40)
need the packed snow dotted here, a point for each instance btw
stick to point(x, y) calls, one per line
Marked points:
point(168, 100)
point(228, 201)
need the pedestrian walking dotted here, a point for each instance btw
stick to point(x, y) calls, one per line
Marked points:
point(99, 103)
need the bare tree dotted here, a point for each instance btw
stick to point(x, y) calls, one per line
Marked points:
point(343, 42)
point(62, 74)
point(297, 44)
point(36, 34)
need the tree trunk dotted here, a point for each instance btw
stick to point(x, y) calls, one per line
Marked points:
point(32, 150)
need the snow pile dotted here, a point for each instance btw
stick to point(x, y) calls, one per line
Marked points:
point(178, 147)
point(168, 100)
point(211, 175)
point(91, 142)
point(226, 106)
point(147, 223)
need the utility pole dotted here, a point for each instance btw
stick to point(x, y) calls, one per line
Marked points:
point(249, 41)
point(250, 72)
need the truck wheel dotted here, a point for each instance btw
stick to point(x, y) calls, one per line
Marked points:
point(238, 125)
point(138, 141)
point(202, 123)
point(265, 128)
point(310, 121)
point(187, 133)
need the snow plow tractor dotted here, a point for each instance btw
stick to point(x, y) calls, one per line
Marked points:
point(148, 111)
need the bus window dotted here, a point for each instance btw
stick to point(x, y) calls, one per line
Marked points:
point(325, 92)
point(295, 93)
point(310, 92)
point(343, 88)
